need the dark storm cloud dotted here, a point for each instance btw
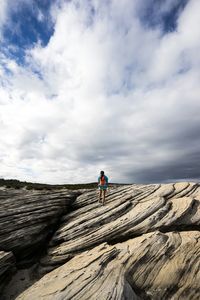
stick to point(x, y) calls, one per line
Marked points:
point(181, 159)
point(186, 167)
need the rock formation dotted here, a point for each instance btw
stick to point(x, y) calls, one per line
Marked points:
point(143, 244)
point(27, 218)
point(155, 266)
point(7, 267)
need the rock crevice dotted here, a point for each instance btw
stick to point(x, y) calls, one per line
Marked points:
point(28, 219)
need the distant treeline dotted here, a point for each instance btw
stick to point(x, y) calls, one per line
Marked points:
point(16, 184)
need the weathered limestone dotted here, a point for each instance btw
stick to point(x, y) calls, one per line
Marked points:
point(143, 244)
point(130, 211)
point(27, 218)
point(155, 265)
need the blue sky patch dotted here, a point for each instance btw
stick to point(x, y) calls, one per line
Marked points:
point(28, 24)
point(162, 14)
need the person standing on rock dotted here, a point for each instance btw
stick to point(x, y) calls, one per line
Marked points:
point(103, 185)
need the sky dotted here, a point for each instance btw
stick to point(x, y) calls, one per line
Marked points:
point(90, 85)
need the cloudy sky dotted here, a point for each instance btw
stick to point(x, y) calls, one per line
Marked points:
point(87, 85)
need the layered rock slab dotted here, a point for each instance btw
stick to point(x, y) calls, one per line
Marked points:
point(129, 212)
point(153, 266)
point(27, 218)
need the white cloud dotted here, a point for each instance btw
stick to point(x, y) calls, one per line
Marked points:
point(3, 14)
point(105, 93)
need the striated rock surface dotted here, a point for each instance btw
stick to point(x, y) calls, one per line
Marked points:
point(153, 266)
point(129, 212)
point(27, 218)
point(143, 244)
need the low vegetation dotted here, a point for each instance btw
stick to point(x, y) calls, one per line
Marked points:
point(13, 183)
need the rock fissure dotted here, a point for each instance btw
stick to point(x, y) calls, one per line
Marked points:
point(26, 251)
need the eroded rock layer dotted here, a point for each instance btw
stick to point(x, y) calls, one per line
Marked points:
point(129, 212)
point(143, 244)
point(153, 266)
point(27, 218)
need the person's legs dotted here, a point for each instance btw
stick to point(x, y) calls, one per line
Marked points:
point(100, 195)
point(104, 196)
